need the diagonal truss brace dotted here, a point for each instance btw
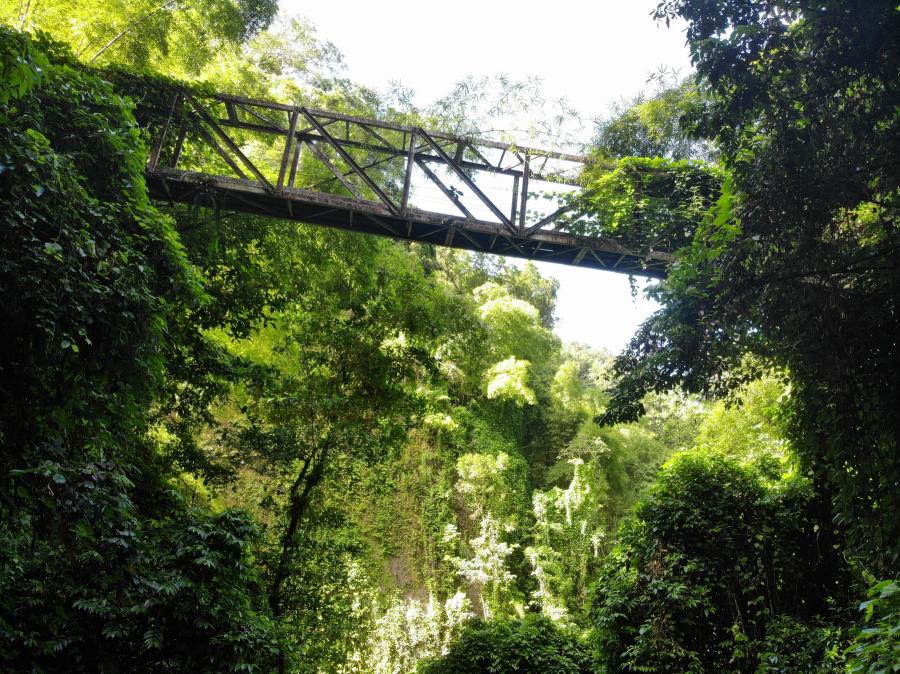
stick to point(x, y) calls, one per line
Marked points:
point(357, 169)
point(451, 163)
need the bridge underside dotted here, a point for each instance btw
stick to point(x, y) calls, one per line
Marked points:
point(240, 155)
point(330, 210)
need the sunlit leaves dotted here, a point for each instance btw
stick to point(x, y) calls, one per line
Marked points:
point(411, 630)
point(647, 204)
point(566, 544)
point(20, 67)
point(176, 36)
point(656, 124)
point(508, 380)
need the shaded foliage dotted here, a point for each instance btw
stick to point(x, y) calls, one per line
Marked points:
point(104, 565)
point(876, 642)
point(714, 553)
point(797, 263)
point(532, 644)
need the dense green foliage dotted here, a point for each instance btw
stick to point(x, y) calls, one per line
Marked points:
point(230, 443)
point(798, 261)
point(104, 564)
point(717, 557)
point(795, 263)
point(503, 647)
point(876, 644)
point(655, 125)
point(649, 204)
point(173, 34)
point(321, 373)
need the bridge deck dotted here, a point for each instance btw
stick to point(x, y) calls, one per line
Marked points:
point(376, 177)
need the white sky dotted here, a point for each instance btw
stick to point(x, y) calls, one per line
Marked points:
point(591, 52)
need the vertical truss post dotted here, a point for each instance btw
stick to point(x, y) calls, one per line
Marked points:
point(232, 113)
point(410, 164)
point(460, 148)
point(515, 199)
point(526, 169)
point(288, 143)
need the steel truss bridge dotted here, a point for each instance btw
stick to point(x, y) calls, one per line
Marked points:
point(240, 155)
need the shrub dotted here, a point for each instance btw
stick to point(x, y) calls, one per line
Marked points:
point(876, 644)
point(530, 645)
point(712, 554)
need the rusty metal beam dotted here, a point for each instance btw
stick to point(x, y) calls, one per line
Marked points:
point(546, 220)
point(407, 178)
point(381, 124)
point(523, 209)
point(230, 144)
point(289, 141)
point(153, 160)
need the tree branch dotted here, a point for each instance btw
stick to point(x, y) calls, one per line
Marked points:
point(128, 28)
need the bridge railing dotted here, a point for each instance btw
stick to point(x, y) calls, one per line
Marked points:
point(394, 179)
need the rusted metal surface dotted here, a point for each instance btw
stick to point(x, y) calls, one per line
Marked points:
point(372, 176)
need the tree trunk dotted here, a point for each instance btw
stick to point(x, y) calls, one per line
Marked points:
point(299, 501)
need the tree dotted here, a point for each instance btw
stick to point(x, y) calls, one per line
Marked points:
point(655, 125)
point(104, 564)
point(797, 263)
point(527, 284)
point(335, 394)
point(181, 361)
point(714, 554)
point(178, 36)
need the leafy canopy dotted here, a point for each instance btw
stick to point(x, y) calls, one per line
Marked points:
point(796, 260)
